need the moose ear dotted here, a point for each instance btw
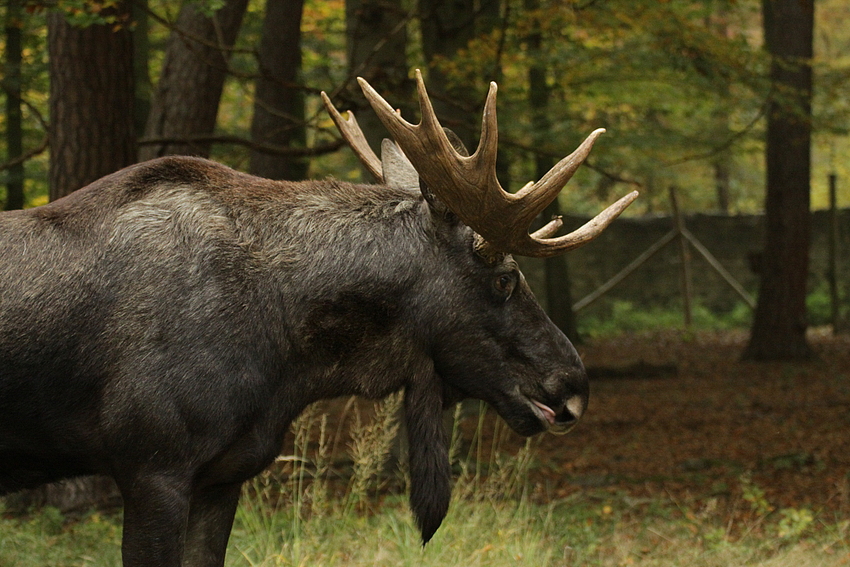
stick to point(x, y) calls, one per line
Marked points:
point(456, 142)
point(428, 454)
point(437, 207)
point(398, 172)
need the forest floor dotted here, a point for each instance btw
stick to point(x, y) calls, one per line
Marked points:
point(679, 414)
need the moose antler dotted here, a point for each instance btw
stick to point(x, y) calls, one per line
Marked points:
point(352, 133)
point(469, 188)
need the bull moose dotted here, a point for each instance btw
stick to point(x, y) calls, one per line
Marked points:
point(165, 324)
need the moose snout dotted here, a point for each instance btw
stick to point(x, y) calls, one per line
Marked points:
point(562, 418)
point(563, 410)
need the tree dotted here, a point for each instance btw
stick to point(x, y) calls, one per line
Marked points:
point(12, 86)
point(376, 49)
point(91, 135)
point(556, 269)
point(462, 43)
point(187, 96)
point(279, 98)
point(447, 28)
point(779, 325)
point(91, 100)
point(141, 56)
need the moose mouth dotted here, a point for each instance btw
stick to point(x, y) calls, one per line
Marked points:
point(553, 422)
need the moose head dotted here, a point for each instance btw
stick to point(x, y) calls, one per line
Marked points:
point(500, 346)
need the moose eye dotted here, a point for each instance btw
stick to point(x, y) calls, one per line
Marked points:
point(504, 285)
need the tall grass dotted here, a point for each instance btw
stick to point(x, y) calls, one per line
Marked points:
point(308, 510)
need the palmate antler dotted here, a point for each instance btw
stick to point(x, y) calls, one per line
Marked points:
point(468, 185)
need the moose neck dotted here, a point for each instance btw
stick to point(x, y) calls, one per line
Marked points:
point(348, 291)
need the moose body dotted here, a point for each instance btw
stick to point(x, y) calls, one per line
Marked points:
point(164, 326)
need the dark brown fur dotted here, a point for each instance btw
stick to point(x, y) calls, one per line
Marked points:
point(165, 324)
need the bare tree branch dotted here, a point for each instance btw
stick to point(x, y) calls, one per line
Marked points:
point(42, 146)
point(726, 143)
point(25, 156)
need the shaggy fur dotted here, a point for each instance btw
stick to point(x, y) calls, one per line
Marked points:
point(165, 324)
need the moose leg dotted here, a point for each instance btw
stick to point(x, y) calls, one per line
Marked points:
point(156, 508)
point(210, 521)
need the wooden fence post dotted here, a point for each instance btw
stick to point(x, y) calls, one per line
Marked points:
point(684, 256)
point(832, 272)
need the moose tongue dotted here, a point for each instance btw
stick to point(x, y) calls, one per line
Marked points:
point(547, 411)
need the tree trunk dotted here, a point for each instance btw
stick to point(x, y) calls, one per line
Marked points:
point(723, 161)
point(141, 69)
point(91, 135)
point(556, 269)
point(722, 180)
point(192, 80)
point(12, 86)
point(779, 326)
point(279, 100)
point(376, 48)
point(447, 27)
point(91, 102)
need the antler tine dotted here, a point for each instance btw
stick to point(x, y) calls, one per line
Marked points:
point(537, 196)
point(469, 188)
point(582, 235)
point(425, 138)
point(352, 134)
point(466, 185)
point(488, 145)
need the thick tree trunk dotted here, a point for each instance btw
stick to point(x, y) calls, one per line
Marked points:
point(192, 80)
point(779, 326)
point(279, 100)
point(376, 48)
point(12, 86)
point(91, 102)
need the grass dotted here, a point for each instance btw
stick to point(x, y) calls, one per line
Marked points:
point(593, 529)
point(621, 316)
point(625, 316)
point(302, 513)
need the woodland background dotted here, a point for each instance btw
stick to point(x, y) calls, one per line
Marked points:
point(740, 105)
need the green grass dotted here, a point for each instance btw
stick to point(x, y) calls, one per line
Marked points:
point(47, 538)
point(591, 529)
point(625, 316)
point(621, 316)
point(298, 515)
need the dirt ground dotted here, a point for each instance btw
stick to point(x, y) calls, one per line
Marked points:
point(679, 414)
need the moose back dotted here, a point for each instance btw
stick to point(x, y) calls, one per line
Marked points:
point(165, 324)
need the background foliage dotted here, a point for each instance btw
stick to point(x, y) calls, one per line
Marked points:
point(680, 86)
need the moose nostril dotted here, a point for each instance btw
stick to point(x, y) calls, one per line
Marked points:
point(566, 417)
